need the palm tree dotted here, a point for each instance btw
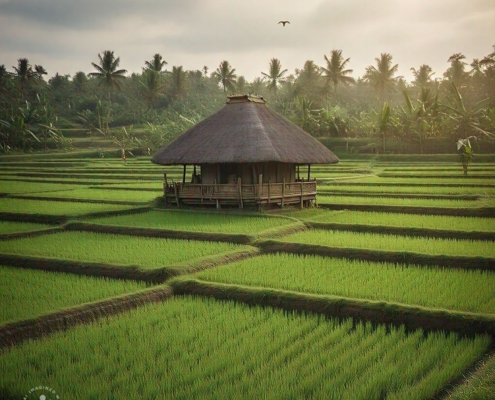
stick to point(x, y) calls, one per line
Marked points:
point(108, 73)
point(308, 78)
point(39, 71)
point(156, 64)
point(422, 76)
point(152, 87)
point(178, 82)
point(275, 75)
point(335, 70)
point(225, 75)
point(456, 72)
point(23, 71)
point(382, 76)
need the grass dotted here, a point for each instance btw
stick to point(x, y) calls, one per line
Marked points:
point(404, 201)
point(15, 227)
point(99, 194)
point(394, 243)
point(464, 224)
point(115, 249)
point(29, 293)
point(24, 206)
point(461, 290)
point(196, 222)
point(235, 351)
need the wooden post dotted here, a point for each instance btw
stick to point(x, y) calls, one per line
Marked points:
point(184, 175)
point(165, 187)
point(309, 171)
point(216, 190)
point(268, 192)
point(301, 194)
point(283, 192)
point(260, 187)
point(239, 185)
point(176, 192)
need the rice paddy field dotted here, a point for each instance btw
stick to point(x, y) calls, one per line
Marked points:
point(244, 315)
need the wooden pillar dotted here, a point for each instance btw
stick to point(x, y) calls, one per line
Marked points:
point(184, 175)
point(239, 185)
point(165, 187)
point(309, 171)
point(302, 192)
point(260, 187)
point(298, 177)
point(176, 192)
point(216, 194)
point(283, 192)
point(268, 192)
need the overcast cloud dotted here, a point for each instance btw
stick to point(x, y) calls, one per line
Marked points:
point(65, 36)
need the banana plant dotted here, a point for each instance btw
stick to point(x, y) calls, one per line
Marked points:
point(465, 152)
point(470, 121)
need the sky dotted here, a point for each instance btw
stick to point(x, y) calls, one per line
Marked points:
point(65, 36)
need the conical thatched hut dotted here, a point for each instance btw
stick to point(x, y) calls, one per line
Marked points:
point(246, 153)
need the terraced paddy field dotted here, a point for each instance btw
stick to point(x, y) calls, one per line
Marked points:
point(104, 293)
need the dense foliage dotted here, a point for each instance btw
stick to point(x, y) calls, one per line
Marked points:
point(146, 110)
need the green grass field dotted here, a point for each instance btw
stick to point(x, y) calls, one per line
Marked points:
point(198, 347)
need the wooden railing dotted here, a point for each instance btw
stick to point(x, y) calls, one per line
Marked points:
point(265, 193)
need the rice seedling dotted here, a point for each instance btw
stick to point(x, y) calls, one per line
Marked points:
point(115, 249)
point(15, 227)
point(465, 224)
point(395, 243)
point(462, 290)
point(98, 194)
point(68, 208)
point(28, 293)
point(196, 222)
point(235, 351)
point(13, 187)
point(404, 201)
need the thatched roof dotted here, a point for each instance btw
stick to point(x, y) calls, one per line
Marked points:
point(245, 130)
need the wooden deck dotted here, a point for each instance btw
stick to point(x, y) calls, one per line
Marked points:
point(281, 194)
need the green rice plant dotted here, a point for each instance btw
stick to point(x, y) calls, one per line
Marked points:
point(144, 252)
point(68, 208)
point(419, 181)
point(404, 201)
point(464, 224)
point(202, 348)
point(15, 227)
point(98, 194)
point(436, 287)
point(15, 187)
point(28, 293)
point(196, 222)
point(395, 243)
point(329, 187)
point(478, 385)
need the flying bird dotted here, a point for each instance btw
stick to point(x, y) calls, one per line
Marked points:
point(284, 22)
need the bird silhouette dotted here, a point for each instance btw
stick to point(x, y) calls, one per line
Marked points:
point(284, 22)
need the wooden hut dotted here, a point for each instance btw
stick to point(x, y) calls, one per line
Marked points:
point(244, 154)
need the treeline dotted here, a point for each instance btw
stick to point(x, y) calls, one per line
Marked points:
point(378, 112)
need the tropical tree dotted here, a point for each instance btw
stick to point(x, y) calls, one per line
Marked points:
point(156, 64)
point(79, 81)
point(241, 85)
point(23, 71)
point(456, 73)
point(39, 71)
point(422, 76)
point(177, 82)
point(107, 72)
point(151, 86)
point(275, 75)
point(382, 77)
point(336, 71)
point(309, 80)
point(225, 74)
